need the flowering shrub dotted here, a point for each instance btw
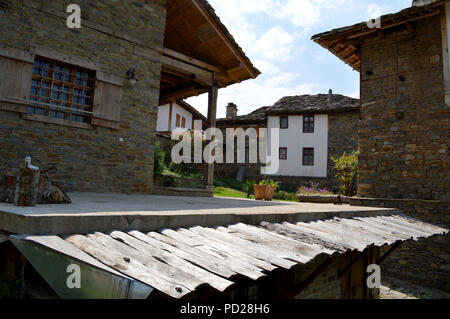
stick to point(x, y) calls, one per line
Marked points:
point(346, 168)
point(314, 189)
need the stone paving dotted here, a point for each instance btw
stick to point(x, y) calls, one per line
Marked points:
point(397, 289)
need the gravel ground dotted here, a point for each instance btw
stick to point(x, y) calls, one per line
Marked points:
point(397, 289)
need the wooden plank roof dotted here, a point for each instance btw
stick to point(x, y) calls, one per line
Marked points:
point(180, 261)
point(196, 39)
point(344, 42)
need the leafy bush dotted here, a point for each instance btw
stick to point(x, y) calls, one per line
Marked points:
point(249, 187)
point(346, 168)
point(160, 156)
point(268, 182)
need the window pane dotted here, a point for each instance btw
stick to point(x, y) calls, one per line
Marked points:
point(284, 122)
point(55, 83)
point(308, 157)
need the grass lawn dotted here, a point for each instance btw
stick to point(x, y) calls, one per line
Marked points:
point(228, 192)
point(232, 193)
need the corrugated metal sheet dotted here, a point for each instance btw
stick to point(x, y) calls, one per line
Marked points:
point(177, 262)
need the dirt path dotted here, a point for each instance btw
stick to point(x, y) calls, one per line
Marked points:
point(397, 289)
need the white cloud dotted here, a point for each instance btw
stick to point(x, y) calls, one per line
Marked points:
point(276, 44)
point(301, 13)
point(282, 79)
point(266, 67)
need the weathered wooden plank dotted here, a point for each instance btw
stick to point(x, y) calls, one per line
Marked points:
point(213, 280)
point(207, 264)
point(245, 247)
point(342, 231)
point(377, 239)
point(277, 241)
point(64, 247)
point(425, 230)
point(395, 225)
point(156, 267)
point(385, 228)
point(229, 250)
point(328, 236)
point(229, 263)
point(308, 235)
point(127, 266)
point(278, 251)
point(392, 235)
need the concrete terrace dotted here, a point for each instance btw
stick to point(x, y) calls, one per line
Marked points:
point(91, 212)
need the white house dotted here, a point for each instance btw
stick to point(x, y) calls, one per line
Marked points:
point(177, 115)
point(303, 144)
point(312, 129)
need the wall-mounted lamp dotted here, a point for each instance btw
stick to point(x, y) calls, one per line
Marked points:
point(131, 76)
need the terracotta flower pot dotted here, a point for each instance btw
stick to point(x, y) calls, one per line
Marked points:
point(269, 193)
point(260, 191)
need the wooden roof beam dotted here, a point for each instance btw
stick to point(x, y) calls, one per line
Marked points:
point(203, 76)
point(223, 37)
point(186, 59)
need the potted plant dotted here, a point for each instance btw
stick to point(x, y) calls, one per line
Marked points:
point(260, 191)
point(265, 189)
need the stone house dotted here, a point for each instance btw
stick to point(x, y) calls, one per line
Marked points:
point(86, 100)
point(404, 131)
point(313, 129)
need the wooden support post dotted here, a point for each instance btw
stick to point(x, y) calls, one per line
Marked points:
point(212, 115)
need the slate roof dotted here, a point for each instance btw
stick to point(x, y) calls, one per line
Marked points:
point(300, 104)
point(257, 116)
point(320, 103)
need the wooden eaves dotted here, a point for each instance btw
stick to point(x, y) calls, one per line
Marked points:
point(345, 42)
point(199, 52)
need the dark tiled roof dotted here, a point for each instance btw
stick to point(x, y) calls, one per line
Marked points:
point(319, 103)
point(300, 104)
point(257, 116)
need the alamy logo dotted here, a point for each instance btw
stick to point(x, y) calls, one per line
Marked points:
point(74, 279)
point(259, 144)
point(374, 279)
point(74, 20)
point(374, 12)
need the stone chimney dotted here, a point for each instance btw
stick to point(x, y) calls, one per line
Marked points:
point(231, 110)
point(330, 95)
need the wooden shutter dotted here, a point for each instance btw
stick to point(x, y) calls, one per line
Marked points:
point(107, 100)
point(16, 71)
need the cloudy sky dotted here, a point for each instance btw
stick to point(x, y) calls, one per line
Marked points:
point(276, 34)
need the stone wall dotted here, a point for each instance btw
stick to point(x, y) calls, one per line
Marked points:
point(404, 133)
point(403, 138)
point(326, 285)
point(424, 262)
point(90, 159)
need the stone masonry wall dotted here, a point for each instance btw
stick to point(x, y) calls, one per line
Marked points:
point(403, 138)
point(326, 285)
point(404, 132)
point(94, 159)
